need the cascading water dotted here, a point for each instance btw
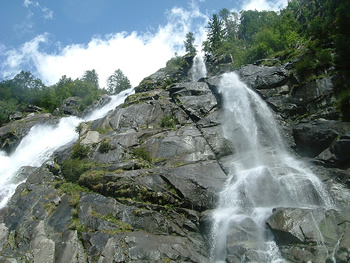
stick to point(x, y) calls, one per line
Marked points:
point(40, 143)
point(262, 176)
point(199, 69)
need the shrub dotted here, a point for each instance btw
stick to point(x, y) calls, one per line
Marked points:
point(80, 151)
point(175, 64)
point(141, 153)
point(105, 147)
point(73, 168)
point(169, 121)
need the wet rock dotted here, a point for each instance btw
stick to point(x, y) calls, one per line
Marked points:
point(317, 231)
point(12, 133)
point(313, 138)
point(338, 154)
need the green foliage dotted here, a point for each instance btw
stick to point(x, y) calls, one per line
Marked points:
point(25, 89)
point(117, 82)
point(73, 190)
point(6, 108)
point(189, 43)
point(215, 35)
point(122, 226)
point(105, 147)
point(169, 121)
point(73, 168)
point(174, 65)
point(143, 154)
point(80, 151)
point(318, 28)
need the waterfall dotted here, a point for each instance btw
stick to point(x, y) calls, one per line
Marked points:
point(199, 69)
point(40, 143)
point(262, 176)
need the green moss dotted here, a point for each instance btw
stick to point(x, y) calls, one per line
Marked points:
point(92, 176)
point(25, 192)
point(122, 226)
point(73, 190)
point(49, 207)
point(75, 224)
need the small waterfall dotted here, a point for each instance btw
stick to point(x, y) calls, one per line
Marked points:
point(262, 176)
point(40, 143)
point(199, 69)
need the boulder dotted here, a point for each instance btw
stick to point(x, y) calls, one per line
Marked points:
point(261, 77)
point(317, 232)
point(338, 154)
point(70, 106)
point(311, 138)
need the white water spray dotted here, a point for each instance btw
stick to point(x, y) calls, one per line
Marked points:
point(40, 143)
point(199, 69)
point(262, 176)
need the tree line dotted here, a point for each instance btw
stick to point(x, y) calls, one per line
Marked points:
point(317, 28)
point(24, 89)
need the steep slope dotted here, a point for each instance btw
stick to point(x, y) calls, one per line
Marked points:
point(140, 183)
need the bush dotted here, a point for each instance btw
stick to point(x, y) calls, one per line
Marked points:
point(80, 151)
point(141, 153)
point(105, 147)
point(174, 65)
point(73, 168)
point(169, 121)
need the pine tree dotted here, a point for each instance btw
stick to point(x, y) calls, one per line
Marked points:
point(215, 35)
point(189, 43)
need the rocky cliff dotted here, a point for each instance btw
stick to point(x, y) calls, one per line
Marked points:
point(139, 184)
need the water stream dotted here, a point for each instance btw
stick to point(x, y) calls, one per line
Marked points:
point(198, 69)
point(262, 176)
point(40, 143)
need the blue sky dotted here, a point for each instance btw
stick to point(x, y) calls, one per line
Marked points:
point(67, 37)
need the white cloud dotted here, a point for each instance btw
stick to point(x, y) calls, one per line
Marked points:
point(47, 13)
point(261, 5)
point(137, 55)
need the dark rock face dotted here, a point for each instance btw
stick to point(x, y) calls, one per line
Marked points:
point(155, 165)
point(12, 133)
point(315, 235)
point(70, 106)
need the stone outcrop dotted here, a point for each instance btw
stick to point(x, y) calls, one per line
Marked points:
point(140, 183)
point(12, 133)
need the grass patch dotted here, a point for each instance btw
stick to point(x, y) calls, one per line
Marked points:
point(73, 190)
point(122, 226)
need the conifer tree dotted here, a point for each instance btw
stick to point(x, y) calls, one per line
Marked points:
point(189, 43)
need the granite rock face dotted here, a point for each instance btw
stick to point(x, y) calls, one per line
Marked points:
point(140, 183)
